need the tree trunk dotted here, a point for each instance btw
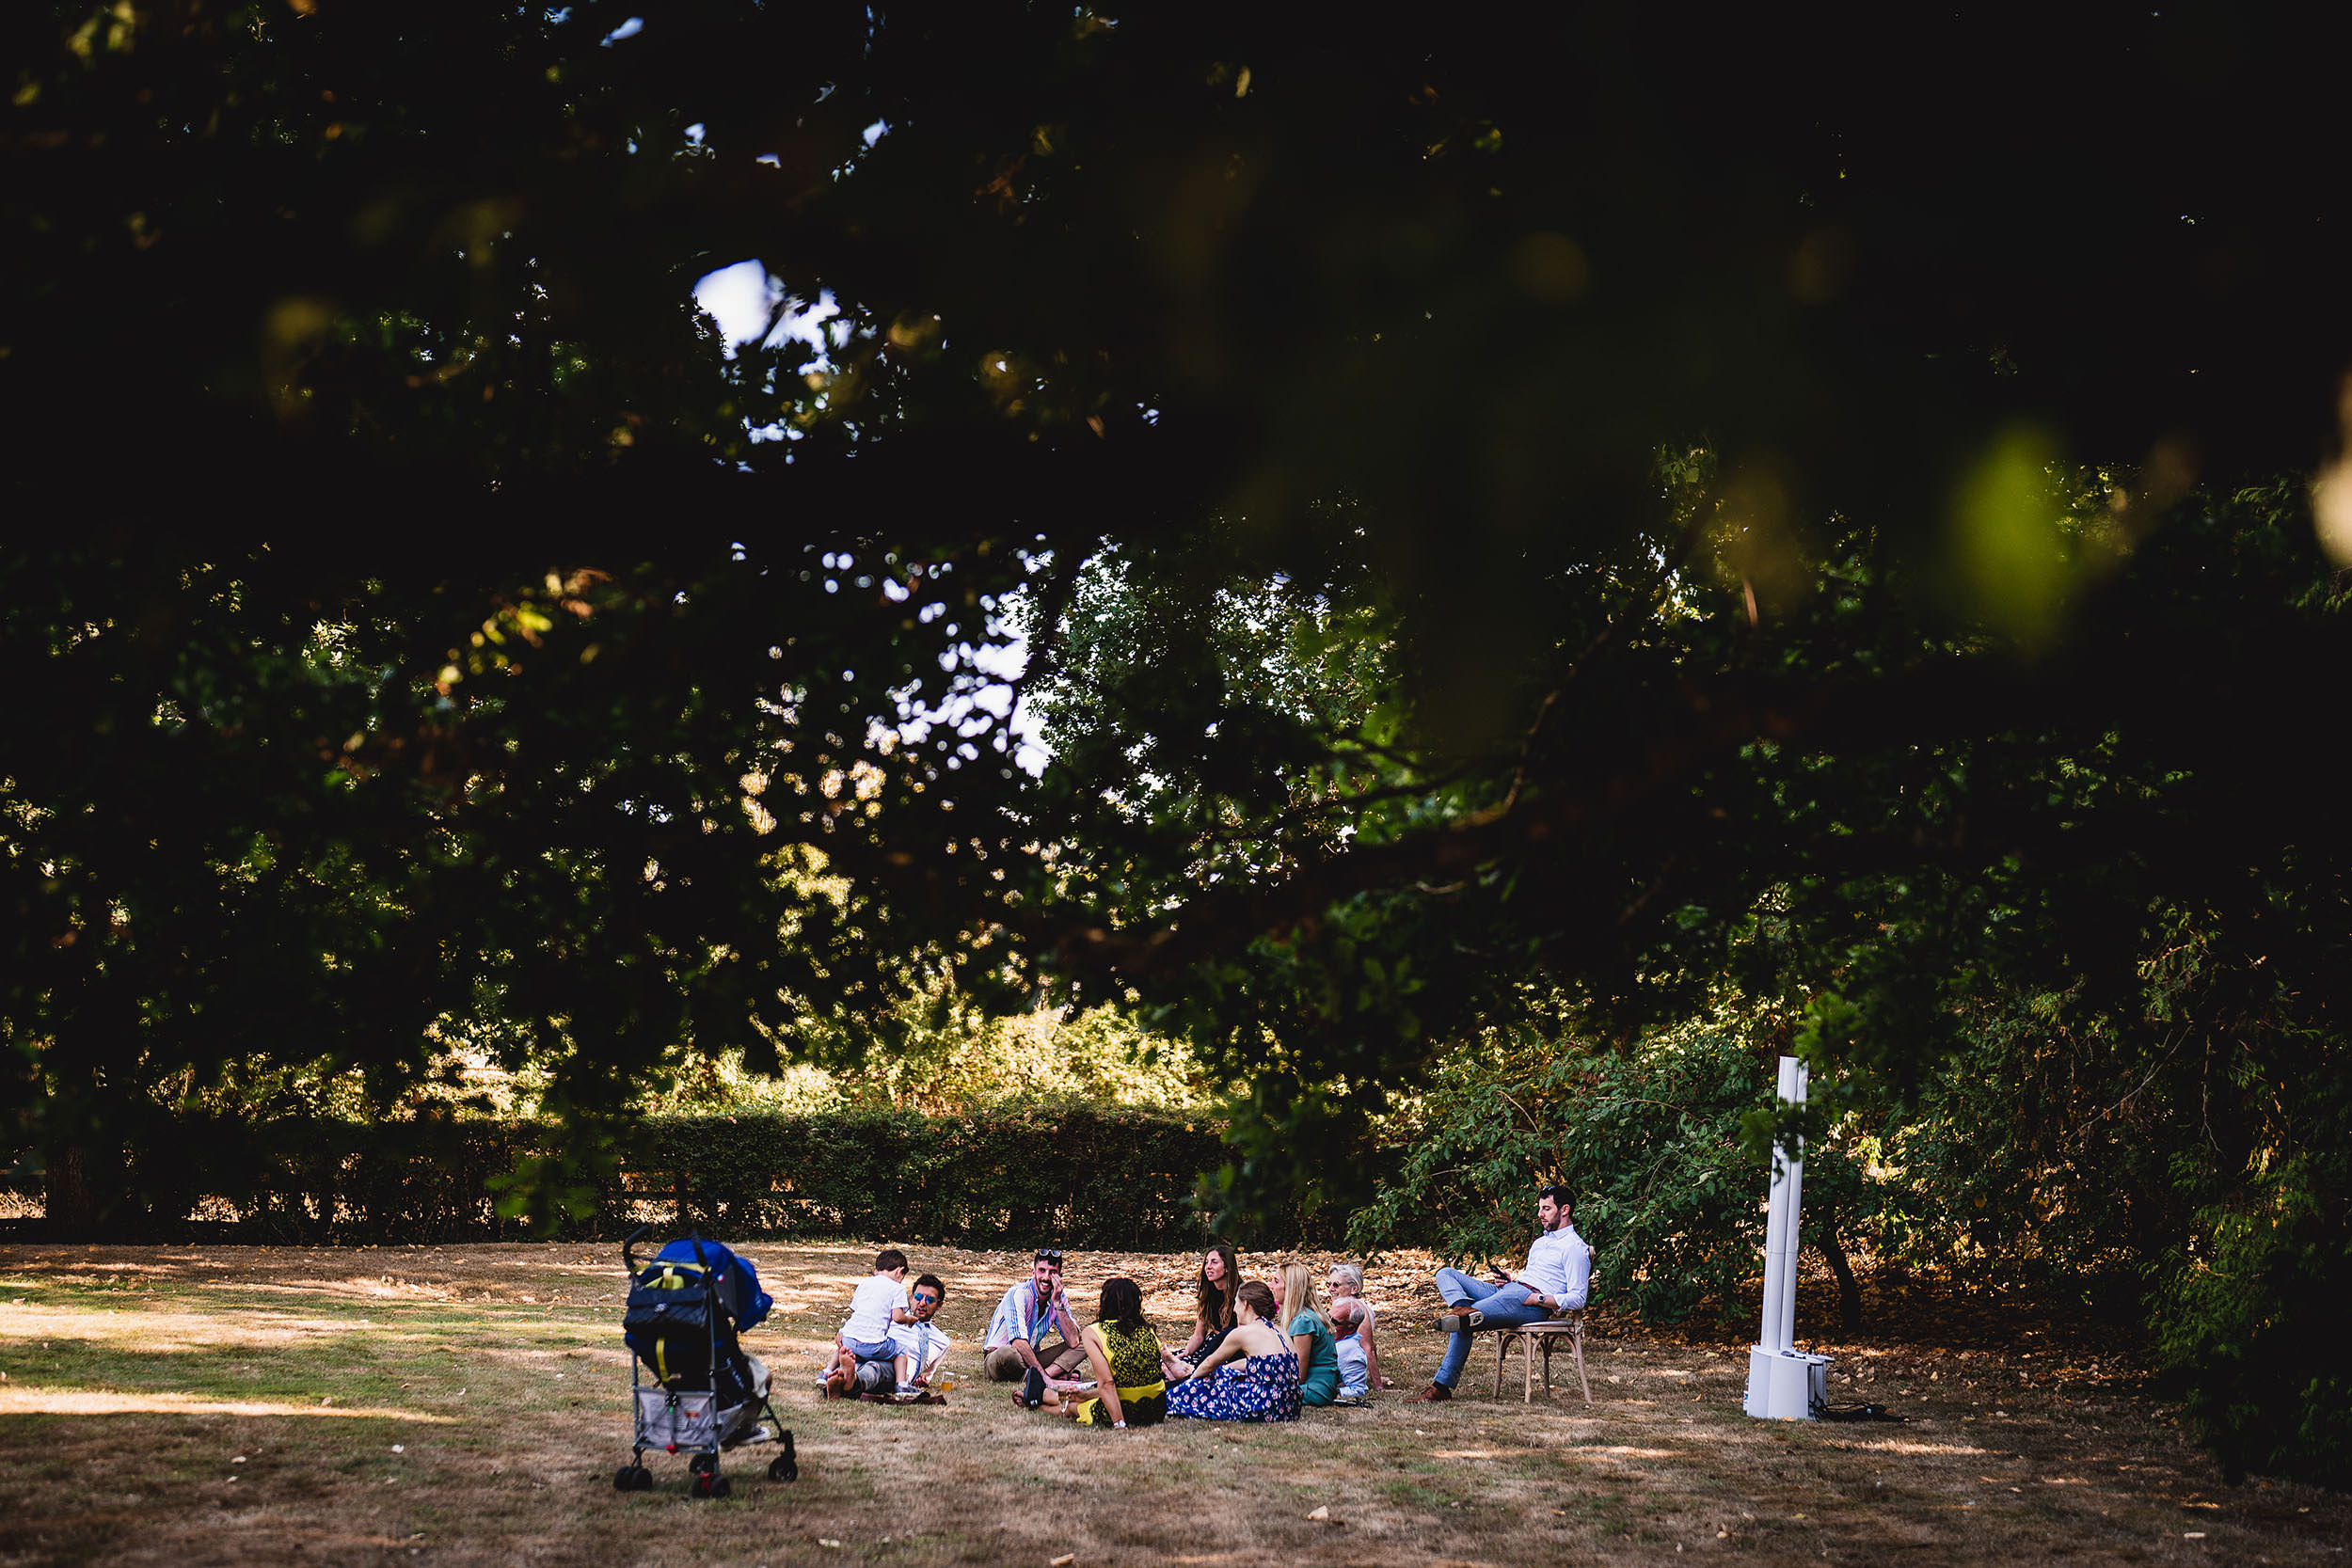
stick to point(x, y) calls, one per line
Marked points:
point(1849, 1292)
point(66, 1194)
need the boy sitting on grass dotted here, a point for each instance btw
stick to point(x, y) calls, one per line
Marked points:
point(865, 1340)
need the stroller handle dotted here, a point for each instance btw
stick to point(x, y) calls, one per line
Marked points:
point(629, 1258)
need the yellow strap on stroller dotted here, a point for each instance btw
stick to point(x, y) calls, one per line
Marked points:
point(671, 1280)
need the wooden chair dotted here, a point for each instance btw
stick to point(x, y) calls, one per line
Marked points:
point(1570, 1324)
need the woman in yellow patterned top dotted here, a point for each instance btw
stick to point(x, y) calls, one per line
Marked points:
point(1123, 1353)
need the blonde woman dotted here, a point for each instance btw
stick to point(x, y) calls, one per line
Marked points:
point(1310, 1336)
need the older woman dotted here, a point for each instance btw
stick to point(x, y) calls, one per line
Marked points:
point(1252, 1375)
point(1347, 1283)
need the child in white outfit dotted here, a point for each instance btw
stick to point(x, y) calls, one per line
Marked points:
point(879, 1304)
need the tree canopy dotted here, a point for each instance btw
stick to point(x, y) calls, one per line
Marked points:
point(1563, 503)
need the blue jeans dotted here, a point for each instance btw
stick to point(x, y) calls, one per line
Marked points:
point(1504, 1305)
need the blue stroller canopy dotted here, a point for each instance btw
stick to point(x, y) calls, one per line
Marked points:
point(737, 1281)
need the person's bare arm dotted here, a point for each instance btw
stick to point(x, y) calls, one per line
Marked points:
point(1105, 1385)
point(1302, 1350)
point(1372, 1357)
point(1217, 1357)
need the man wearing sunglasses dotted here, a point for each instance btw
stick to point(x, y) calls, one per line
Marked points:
point(1016, 1344)
point(921, 1344)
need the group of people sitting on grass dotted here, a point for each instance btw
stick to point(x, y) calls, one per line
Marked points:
point(1259, 1350)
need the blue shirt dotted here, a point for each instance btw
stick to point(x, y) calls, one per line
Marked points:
point(1027, 1313)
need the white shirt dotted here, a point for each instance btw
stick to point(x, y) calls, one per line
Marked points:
point(1559, 1265)
point(1355, 1370)
point(869, 1309)
point(926, 1342)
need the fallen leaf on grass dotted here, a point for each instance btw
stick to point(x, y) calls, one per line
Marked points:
point(825, 1541)
point(1064, 1560)
point(1323, 1513)
point(2192, 1535)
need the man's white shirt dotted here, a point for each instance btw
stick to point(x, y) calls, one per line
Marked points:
point(926, 1342)
point(1559, 1265)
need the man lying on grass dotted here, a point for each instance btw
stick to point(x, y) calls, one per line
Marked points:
point(1556, 1279)
point(921, 1344)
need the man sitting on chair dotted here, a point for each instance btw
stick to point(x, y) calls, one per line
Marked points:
point(1558, 1274)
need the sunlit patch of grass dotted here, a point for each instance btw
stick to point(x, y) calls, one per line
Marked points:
point(516, 1416)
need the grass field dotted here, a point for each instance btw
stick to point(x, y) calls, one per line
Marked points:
point(466, 1405)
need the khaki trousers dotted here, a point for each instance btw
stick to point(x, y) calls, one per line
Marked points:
point(1005, 1365)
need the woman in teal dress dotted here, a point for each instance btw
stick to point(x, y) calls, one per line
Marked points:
point(1311, 1337)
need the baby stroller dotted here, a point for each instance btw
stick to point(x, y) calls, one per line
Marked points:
point(686, 1311)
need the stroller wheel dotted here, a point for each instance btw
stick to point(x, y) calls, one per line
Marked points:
point(702, 1463)
point(632, 1477)
point(783, 1467)
point(710, 1485)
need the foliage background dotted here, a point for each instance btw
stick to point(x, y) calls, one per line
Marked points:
point(1016, 1176)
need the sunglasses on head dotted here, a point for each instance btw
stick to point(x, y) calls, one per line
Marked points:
point(1050, 1256)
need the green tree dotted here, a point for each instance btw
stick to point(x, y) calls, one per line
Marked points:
point(1391, 330)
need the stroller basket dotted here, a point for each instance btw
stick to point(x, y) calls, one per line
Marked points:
point(674, 1421)
point(686, 1311)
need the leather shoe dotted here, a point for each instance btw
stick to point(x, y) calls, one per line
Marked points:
point(1436, 1393)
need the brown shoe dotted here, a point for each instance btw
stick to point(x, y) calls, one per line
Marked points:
point(1436, 1393)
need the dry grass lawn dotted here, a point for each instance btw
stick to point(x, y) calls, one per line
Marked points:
point(465, 1405)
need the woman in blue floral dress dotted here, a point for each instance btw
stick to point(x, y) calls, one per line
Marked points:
point(1252, 1376)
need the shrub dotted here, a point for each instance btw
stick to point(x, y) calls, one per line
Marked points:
point(1012, 1176)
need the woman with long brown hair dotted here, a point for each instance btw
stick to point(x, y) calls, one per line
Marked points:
point(1252, 1375)
point(1124, 1355)
point(1213, 1311)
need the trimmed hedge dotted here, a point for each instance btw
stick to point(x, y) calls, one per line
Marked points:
point(1082, 1176)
